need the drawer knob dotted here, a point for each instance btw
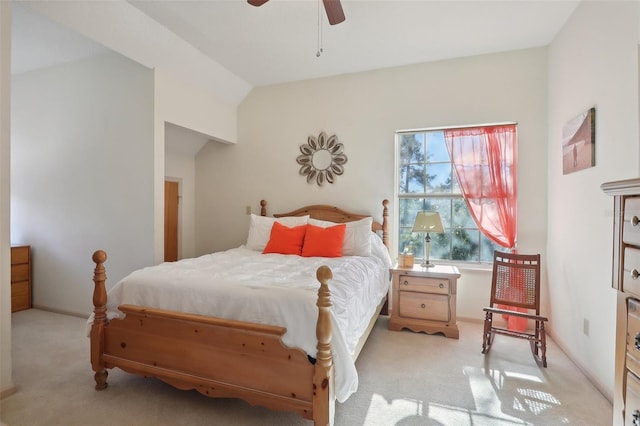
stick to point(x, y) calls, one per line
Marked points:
point(635, 274)
point(637, 341)
point(405, 282)
point(424, 306)
point(441, 285)
point(635, 221)
point(636, 417)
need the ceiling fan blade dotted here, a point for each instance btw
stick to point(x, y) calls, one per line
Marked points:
point(335, 14)
point(257, 2)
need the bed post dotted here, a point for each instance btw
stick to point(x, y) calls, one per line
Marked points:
point(385, 224)
point(99, 320)
point(263, 207)
point(323, 398)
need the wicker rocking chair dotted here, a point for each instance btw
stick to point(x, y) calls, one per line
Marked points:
point(516, 284)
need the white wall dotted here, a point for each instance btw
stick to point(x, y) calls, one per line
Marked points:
point(181, 146)
point(592, 62)
point(364, 110)
point(188, 105)
point(6, 381)
point(82, 174)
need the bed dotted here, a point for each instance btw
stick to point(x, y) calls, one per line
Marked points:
point(262, 358)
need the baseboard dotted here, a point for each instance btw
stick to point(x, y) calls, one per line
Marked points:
point(472, 320)
point(7, 392)
point(62, 311)
point(598, 385)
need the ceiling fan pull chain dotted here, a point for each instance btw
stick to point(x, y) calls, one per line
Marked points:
point(319, 51)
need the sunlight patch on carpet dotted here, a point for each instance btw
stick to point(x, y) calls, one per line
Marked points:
point(488, 402)
point(395, 412)
point(382, 412)
point(538, 401)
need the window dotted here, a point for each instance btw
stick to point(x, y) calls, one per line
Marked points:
point(427, 181)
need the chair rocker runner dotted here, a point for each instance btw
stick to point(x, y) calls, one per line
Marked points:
point(516, 284)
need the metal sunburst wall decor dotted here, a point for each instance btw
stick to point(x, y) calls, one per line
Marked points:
point(322, 159)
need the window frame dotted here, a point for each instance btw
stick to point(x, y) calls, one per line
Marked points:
point(473, 264)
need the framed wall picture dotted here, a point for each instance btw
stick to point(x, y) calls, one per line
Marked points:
point(579, 142)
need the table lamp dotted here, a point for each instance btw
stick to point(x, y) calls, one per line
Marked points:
point(427, 221)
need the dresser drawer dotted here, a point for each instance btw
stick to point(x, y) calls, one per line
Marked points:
point(20, 289)
point(19, 254)
point(20, 272)
point(20, 296)
point(633, 335)
point(632, 400)
point(631, 270)
point(631, 217)
point(434, 307)
point(420, 284)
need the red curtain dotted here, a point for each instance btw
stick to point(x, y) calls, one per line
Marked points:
point(485, 162)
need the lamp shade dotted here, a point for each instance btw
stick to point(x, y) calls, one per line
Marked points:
point(428, 221)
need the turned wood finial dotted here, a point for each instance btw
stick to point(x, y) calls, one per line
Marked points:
point(263, 207)
point(385, 224)
point(324, 274)
point(99, 290)
point(323, 327)
point(99, 256)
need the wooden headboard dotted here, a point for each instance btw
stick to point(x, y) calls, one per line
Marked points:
point(334, 214)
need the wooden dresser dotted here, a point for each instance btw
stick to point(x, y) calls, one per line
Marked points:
point(626, 280)
point(20, 278)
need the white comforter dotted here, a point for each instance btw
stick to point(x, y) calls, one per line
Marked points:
point(271, 289)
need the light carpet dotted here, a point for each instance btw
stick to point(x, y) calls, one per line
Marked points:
point(405, 379)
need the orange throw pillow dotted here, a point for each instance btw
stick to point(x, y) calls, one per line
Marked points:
point(285, 240)
point(324, 242)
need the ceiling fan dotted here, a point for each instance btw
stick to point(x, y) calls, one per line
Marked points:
point(335, 14)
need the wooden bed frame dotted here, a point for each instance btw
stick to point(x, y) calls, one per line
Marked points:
point(221, 357)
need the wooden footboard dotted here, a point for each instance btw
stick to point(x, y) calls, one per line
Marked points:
point(217, 357)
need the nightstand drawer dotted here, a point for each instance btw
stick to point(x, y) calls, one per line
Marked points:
point(421, 284)
point(434, 307)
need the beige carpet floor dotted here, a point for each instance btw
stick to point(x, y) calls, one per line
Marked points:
point(405, 379)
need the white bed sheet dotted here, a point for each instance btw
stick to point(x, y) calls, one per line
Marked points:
point(274, 289)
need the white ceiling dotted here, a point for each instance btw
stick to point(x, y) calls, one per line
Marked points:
point(278, 41)
point(38, 42)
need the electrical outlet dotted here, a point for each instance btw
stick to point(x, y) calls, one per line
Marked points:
point(585, 327)
point(248, 210)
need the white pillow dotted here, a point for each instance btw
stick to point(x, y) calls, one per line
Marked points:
point(356, 236)
point(379, 250)
point(260, 229)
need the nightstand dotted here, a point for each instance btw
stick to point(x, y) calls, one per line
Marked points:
point(424, 299)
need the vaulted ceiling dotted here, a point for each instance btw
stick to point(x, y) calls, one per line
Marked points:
point(241, 46)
